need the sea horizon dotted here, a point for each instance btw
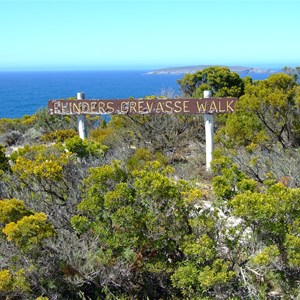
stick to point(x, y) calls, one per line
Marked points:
point(134, 69)
point(25, 92)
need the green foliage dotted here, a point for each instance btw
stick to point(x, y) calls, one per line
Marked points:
point(103, 134)
point(186, 279)
point(202, 250)
point(100, 181)
point(205, 268)
point(43, 174)
point(113, 134)
point(29, 232)
point(217, 274)
point(245, 129)
point(48, 123)
point(168, 134)
point(29, 120)
point(140, 216)
point(194, 282)
point(13, 282)
point(40, 167)
point(267, 256)
point(7, 125)
point(292, 243)
point(80, 223)
point(220, 80)
point(229, 179)
point(4, 162)
point(85, 148)
point(32, 151)
point(5, 280)
point(271, 215)
point(59, 135)
point(141, 156)
point(12, 210)
point(268, 112)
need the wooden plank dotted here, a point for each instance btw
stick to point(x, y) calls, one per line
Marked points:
point(141, 106)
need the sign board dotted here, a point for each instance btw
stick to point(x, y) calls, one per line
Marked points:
point(141, 106)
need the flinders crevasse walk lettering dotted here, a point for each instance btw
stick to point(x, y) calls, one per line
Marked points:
point(141, 106)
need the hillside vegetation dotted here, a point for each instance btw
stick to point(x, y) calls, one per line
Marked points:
point(131, 212)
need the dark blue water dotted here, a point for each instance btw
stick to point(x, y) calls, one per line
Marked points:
point(23, 93)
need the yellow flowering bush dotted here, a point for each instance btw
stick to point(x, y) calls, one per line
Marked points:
point(29, 231)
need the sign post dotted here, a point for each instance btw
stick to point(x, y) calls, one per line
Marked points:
point(81, 120)
point(209, 133)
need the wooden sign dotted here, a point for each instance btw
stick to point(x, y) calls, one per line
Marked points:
point(207, 106)
point(141, 106)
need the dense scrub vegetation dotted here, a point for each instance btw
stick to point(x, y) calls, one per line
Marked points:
point(131, 213)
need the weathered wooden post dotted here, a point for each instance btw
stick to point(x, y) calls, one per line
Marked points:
point(82, 130)
point(209, 133)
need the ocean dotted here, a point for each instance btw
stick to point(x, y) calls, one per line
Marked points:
point(24, 93)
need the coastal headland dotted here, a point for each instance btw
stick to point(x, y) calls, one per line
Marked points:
point(192, 69)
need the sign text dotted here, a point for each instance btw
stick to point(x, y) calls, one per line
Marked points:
point(141, 106)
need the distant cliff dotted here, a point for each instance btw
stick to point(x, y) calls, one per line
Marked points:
point(193, 69)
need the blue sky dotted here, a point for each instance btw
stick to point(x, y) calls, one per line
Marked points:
point(102, 35)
